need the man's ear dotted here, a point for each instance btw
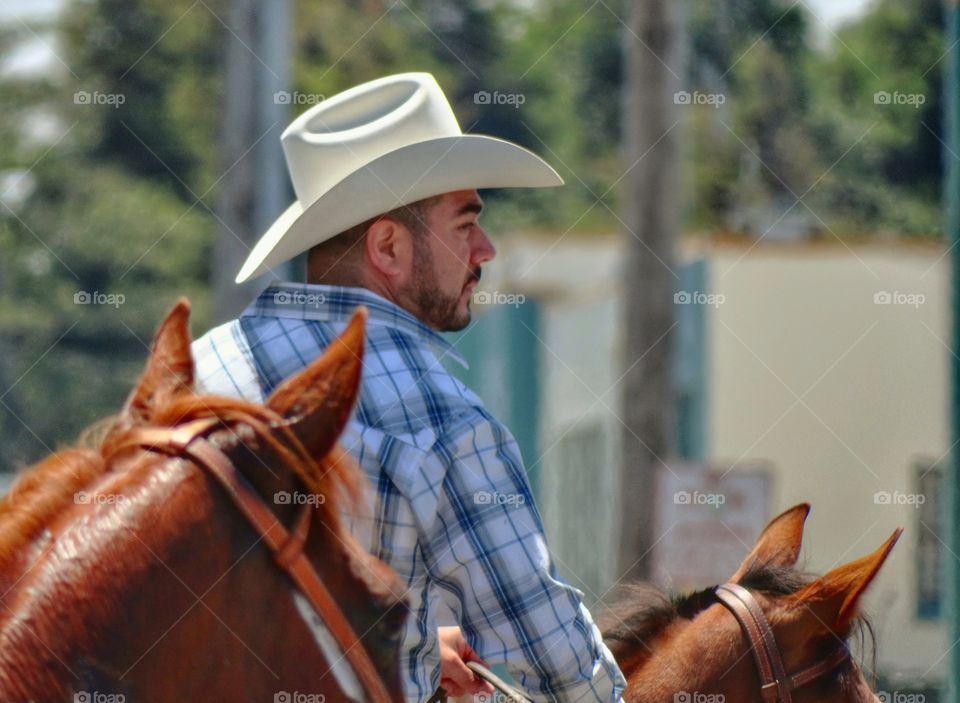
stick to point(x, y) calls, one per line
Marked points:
point(779, 543)
point(388, 247)
point(169, 369)
point(319, 400)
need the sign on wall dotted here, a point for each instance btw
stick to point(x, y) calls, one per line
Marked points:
point(706, 521)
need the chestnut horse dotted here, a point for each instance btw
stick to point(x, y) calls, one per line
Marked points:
point(132, 575)
point(694, 649)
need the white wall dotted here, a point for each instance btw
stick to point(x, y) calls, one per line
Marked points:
point(873, 383)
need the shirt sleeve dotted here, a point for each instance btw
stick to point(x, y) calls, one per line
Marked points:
point(487, 550)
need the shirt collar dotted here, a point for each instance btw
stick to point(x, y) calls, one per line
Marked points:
point(312, 301)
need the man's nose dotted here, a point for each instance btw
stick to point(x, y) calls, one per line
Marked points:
point(483, 249)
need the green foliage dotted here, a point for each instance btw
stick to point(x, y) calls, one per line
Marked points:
point(111, 219)
point(564, 58)
point(891, 179)
point(165, 58)
point(128, 248)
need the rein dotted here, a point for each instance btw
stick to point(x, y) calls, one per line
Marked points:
point(189, 441)
point(775, 684)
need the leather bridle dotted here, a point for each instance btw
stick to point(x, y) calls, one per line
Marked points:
point(775, 684)
point(189, 441)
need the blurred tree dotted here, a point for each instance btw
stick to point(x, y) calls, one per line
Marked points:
point(165, 58)
point(564, 58)
point(110, 232)
point(751, 148)
point(880, 90)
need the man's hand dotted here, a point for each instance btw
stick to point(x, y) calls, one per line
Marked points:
point(455, 677)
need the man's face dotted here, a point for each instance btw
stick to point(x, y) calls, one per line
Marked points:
point(447, 260)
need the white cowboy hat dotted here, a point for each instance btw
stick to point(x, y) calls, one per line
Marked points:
point(375, 147)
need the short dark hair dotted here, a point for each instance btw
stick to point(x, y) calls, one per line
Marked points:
point(343, 250)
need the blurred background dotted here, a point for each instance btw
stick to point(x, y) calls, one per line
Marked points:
point(741, 300)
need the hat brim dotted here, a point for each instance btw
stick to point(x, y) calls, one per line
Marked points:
point(400, 177)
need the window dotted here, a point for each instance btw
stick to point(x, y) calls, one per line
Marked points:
point(930, 548)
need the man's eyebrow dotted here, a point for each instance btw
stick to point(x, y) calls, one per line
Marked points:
point(474, 206)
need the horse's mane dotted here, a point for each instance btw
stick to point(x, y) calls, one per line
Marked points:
point(640, 613)
point(48, 488)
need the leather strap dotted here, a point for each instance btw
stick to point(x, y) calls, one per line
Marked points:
point(775, 684)
point(287, 548)
point(817, 670)
point(773, 678)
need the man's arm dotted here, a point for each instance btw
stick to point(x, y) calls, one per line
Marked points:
point(487, 550)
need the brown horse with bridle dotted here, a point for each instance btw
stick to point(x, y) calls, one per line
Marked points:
point(157, 565)
point(770, 635)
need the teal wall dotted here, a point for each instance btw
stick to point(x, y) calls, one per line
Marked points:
point(690, 365)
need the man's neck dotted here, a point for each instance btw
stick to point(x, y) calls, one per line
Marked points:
point(374, 286)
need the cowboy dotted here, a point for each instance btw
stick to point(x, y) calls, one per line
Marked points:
point(386, 210)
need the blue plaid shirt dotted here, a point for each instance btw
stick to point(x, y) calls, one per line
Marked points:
point(452, 511)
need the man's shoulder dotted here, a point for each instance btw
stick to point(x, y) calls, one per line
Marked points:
point(223, 364)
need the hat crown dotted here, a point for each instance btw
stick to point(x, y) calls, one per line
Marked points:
point(349, 130)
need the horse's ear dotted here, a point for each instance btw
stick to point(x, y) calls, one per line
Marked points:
point(779, 543)
point(169, 369)
point(319, 400)
point(833, 599)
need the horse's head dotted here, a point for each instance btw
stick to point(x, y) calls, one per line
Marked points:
point(696, 647)
point(156, 582)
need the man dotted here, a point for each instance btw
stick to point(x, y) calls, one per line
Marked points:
point(387, 212)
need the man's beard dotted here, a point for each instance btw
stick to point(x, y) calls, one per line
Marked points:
point(437, 309)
